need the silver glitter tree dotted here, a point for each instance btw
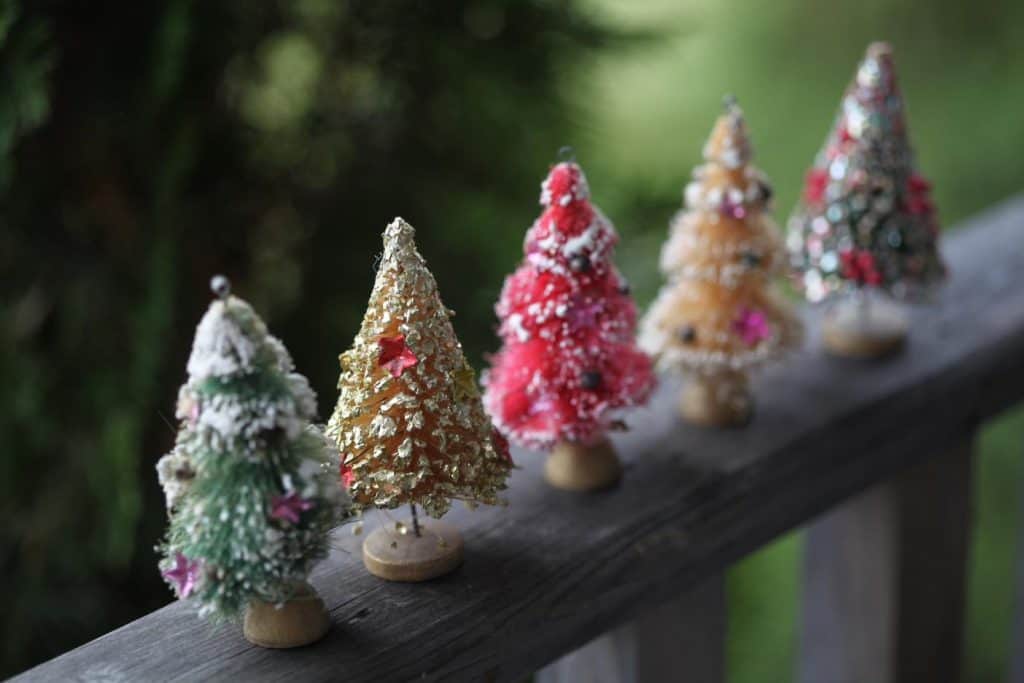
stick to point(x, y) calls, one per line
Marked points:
point(866, 219)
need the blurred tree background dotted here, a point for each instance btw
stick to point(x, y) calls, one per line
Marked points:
point(146, 146)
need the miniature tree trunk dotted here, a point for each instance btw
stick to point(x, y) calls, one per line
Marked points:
point(300, 621)
point(576, 467)
point(569, 361)
point(866, 227)
point(409, 422)
point(717, 399)
point(718, 315)
point(864, 326)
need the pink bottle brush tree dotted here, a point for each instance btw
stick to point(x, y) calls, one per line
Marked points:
point(568, 363)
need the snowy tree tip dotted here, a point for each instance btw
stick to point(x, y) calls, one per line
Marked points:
point(879, 49)
point(729, 143)
point(220, 286)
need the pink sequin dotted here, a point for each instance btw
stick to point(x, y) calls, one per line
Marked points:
point(752, 326)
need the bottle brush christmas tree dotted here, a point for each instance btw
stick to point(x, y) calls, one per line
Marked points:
point(568, 361)
point(250, 485)
point(866, 227)
point(409, 423)
point(718, 316)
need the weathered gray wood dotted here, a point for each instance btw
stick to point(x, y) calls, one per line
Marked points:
point(1016, 674)
point(554, 570)
point(682, 639)
point(885, 579)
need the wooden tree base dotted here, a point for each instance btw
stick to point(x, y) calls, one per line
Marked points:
point(574, 467)
point(864, 329)
point(717, 400)
point(395, 556)
point(300, 621)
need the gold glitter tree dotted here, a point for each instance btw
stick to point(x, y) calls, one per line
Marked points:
point(409, 422)
point(718, 316)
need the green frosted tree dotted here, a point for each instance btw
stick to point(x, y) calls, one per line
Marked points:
point(251, 485)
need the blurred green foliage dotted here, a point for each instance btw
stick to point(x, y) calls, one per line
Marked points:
point(146, 146)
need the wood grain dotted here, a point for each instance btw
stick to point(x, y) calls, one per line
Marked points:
point(555, 569)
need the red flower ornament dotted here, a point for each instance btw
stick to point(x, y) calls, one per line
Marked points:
point(348, 477)
point(859, 266)
point(501, 444)
point(815, 184)
point(918, 200)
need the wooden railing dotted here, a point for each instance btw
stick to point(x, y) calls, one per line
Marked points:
point(875, 457)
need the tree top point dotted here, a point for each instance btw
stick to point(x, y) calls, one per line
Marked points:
point(399, 231)
point(879, 49)
point(399, 242)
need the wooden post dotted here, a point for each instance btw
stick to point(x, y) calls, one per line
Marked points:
point(1016, 674)
point(885, 579)
point(680, 640)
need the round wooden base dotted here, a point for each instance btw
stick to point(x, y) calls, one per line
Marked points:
point(395, 556)
point(300, 621)
point(871, 328)
point(574, 467)
point(717, 400)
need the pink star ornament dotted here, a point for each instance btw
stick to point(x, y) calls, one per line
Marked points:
point(184, 575)
point(289, 507)
point(395, 355)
